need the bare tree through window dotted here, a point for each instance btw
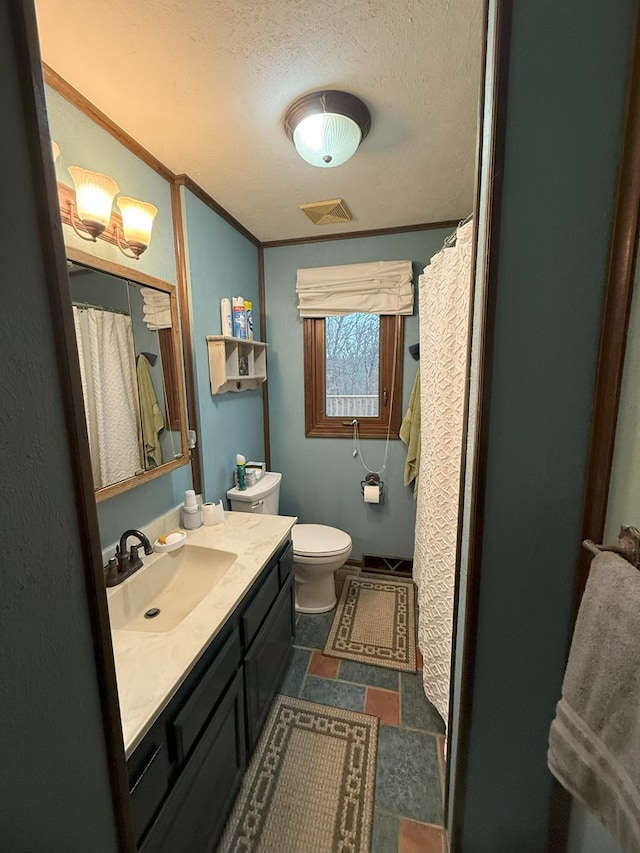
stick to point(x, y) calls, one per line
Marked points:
point(352, 365)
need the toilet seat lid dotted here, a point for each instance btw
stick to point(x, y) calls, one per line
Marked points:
point(311, 540)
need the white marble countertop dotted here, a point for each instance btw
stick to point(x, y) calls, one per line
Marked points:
point(150, 667)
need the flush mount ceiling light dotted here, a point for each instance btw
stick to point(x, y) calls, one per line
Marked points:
point(327, 127)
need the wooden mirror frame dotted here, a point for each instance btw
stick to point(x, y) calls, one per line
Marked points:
point(174, 370)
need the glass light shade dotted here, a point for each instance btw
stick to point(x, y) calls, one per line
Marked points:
point(55, 150)
point(137, 220)
point(327, 139)
point(94, 196)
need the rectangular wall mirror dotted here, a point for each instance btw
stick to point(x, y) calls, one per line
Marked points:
point(128, 341)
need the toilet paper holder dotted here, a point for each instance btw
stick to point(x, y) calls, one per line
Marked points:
point(372, 480)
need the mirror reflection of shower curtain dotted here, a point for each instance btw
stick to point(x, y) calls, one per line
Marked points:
point(109, 387)
point(444, 290)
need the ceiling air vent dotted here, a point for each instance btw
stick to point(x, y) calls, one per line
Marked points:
point(326, 212)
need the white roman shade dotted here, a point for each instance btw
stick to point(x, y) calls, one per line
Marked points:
point(381, 287)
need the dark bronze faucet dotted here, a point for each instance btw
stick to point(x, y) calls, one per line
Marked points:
point(124, 564)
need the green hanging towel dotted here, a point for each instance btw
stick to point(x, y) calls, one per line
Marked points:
point(150, 415)
point(410, 434)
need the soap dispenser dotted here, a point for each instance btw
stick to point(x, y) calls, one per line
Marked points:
point(190, 512)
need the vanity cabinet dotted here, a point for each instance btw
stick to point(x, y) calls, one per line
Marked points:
point(236, 364)
point(184, 775)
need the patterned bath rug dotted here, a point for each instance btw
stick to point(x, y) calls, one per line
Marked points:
point(309, 785)
point(375, 623)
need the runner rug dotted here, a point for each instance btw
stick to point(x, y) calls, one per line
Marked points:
point(375, 623)
point(309, 785)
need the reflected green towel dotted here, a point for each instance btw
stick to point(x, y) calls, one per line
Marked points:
point(150, 415)
point(410, 434)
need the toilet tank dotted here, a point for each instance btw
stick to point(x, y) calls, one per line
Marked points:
point(264, 497)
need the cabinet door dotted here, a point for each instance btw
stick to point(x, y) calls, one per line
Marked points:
point(193, 815)
point(267, 660)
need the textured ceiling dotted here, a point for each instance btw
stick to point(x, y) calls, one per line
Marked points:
point(203, 85)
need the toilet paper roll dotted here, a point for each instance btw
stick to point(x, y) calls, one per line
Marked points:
point(372, 494)
point(212, 513)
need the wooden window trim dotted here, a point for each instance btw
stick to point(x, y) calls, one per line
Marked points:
point(319, 425)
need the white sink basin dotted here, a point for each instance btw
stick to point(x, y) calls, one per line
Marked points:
point(174, 585)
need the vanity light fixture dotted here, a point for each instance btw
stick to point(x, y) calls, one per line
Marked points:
point(90, 213)
point(327, 127)
point(55, 150)
point(137, 221)
point(94, 200)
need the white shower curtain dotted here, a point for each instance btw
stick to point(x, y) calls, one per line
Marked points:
point(110, 390)
point(444, 293)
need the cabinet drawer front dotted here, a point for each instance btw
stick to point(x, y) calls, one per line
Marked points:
point(255, 613)
point(148, 787)
point(194, 814)
point(193, 717)
point(285, 564)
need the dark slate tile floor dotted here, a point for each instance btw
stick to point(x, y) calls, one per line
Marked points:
point(408, 809)
point(329, 692)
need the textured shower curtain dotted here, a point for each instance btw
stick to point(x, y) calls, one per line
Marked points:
point(445, 295)
point(110, 390)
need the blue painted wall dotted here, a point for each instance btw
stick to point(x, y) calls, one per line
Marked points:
point(84, 143)
point(221, 262)
point(321, 479)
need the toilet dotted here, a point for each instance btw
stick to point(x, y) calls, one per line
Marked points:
point(318, 550)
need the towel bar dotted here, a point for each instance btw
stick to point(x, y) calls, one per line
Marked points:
point(628, 545)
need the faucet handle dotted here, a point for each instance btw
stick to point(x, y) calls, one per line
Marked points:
point(111, 572)
point(133, 550)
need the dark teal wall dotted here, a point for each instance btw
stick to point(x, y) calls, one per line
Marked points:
point(55, 789)
point(321, 479)
point(567, 74)
point(222, 262)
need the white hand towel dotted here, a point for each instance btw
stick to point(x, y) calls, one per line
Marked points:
point(159, 301)
point(151, 295)
point(158, 319)
point(594, 742)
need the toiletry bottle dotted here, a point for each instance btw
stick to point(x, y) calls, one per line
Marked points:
point(239, 318)
point(248, 310)
point(190, 512)
point(225, 317)
point(240, 463)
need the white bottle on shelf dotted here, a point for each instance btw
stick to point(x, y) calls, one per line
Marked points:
point(239, 318)
point(225, 317)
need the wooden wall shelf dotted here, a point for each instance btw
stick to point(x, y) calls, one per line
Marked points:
point(236, 364)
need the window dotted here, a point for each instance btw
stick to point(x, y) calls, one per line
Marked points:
point(353, 369)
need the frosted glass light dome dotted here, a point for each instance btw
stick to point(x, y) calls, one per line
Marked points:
point(94, 198)
point(327, 139)
point(327, 127)
point(137, 220)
